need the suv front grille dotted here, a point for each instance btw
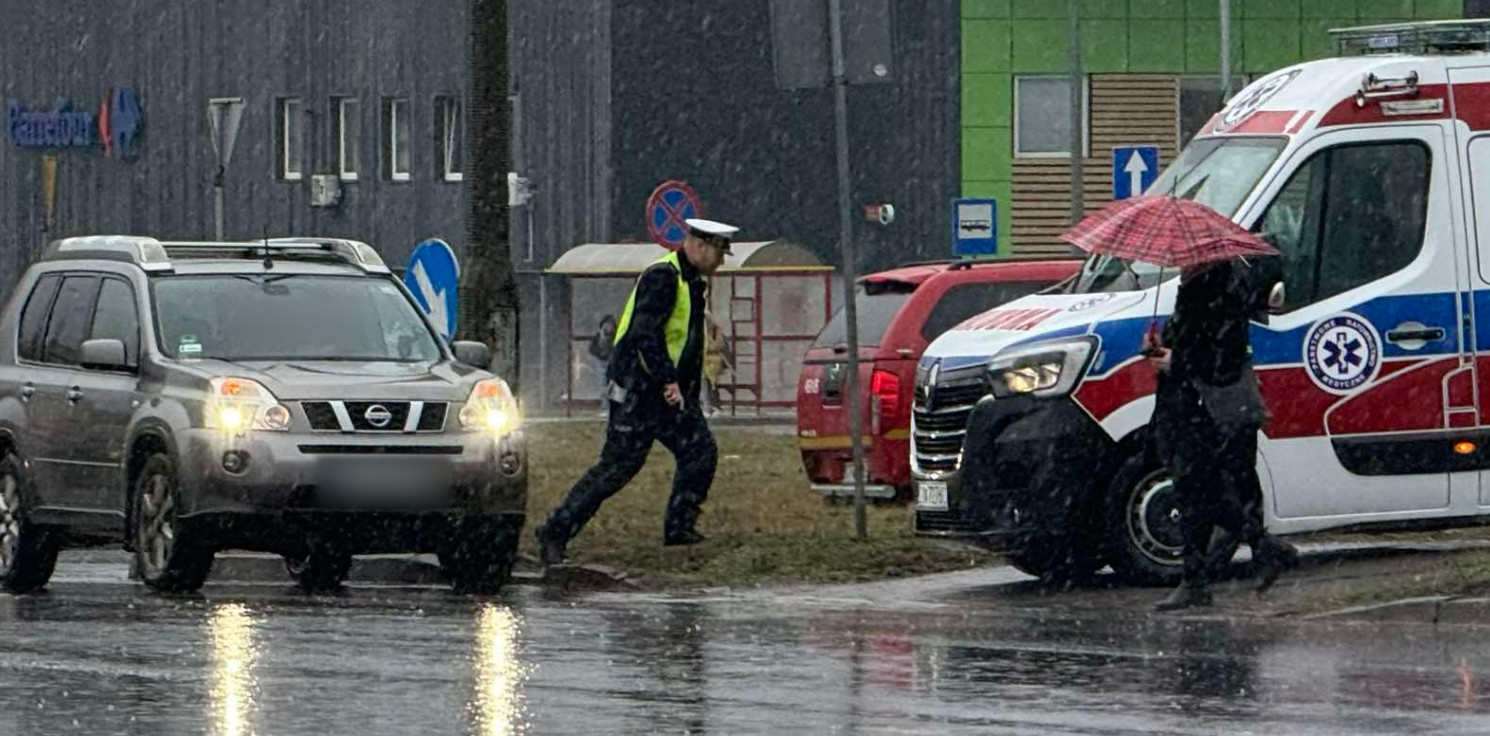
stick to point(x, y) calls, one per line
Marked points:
point(941, 422)
point(364, 416)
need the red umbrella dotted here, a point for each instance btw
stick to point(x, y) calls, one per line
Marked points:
point(1165, 231)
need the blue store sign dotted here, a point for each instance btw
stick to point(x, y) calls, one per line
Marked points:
point(116, 127)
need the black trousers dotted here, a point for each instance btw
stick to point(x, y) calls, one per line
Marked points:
point(629, 434)
point(1215, 477)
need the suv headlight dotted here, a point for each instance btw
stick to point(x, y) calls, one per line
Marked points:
point(241, 404)
point(1046, 369)
point(492, 408)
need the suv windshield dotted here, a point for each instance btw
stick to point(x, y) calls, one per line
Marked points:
point(289, 317)
point(1219, 172)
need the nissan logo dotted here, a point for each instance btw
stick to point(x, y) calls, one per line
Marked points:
point(378, 415)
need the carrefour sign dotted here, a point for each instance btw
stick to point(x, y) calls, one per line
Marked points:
point(115, 127)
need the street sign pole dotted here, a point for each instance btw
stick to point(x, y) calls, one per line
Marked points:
point(850, 264)
point(1078, 120)
point(1225, 50)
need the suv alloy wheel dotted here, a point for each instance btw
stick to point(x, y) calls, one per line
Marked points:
point(168, 558)
point(28, 554)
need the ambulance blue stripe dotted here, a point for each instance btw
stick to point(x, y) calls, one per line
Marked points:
point(1122, 339)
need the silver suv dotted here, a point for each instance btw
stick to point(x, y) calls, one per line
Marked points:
point(284, 395)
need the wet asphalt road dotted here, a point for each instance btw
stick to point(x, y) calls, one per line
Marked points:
point(101, 656)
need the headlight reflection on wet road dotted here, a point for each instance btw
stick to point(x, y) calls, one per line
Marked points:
point(234, 652)
point(497, 703)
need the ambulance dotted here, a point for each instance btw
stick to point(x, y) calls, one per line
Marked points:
point(1371, 175)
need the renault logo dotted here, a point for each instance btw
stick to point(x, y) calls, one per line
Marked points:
point(378, 415)
point(936, 371)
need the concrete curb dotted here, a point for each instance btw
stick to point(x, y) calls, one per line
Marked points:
point(1438, 609)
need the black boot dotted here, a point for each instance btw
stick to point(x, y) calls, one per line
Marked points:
point(550, 546)
point(1190, 594)
point(1273, 557)
point(682, 538)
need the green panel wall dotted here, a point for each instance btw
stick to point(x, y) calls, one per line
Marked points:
point(1003, 38)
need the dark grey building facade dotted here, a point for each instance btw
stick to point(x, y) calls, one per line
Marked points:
point(294, 60)
point(615, 97)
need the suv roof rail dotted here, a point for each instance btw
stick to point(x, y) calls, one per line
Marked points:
point(1426, 38)
point(151, 254)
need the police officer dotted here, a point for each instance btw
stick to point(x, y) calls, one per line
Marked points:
point(653, 381)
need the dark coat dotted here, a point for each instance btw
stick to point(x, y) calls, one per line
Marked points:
point(1208, 336)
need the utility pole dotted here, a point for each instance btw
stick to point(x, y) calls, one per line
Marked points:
point(490, 286)
point(1078, 122)
point(1225, 51)
point(850, 263)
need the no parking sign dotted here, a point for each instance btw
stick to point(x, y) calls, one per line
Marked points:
point(671, 203)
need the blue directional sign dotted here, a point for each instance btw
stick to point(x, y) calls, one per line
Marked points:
point(975, 227)
point(433, 276)
point(1134, 168)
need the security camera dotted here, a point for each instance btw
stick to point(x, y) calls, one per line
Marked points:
point(887, 214)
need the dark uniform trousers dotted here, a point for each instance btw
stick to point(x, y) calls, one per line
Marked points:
point(629, 433)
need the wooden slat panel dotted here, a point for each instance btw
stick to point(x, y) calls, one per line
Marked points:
point(1126, 109)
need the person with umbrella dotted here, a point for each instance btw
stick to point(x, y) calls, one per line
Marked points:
point(1208, 408)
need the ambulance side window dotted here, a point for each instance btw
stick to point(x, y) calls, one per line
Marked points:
point(1349, 216)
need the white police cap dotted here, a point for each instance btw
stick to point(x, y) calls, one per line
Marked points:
point(716, 232)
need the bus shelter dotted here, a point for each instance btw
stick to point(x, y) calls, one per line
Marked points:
point(767, 302)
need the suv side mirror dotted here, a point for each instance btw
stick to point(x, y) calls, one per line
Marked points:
point(471, 353)
point(105, 353)
point(1277, 298)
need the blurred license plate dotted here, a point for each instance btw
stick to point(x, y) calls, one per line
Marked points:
point(931, 495)
point(383, 483)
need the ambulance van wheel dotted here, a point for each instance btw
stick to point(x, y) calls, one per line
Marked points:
point(1144, 536)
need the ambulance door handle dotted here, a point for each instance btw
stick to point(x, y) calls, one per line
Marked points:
point(1415, 333)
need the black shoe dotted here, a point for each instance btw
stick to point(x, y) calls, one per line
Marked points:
point(1188, 595)
point(550, 548)
point(1273, 557)
point(683, 538)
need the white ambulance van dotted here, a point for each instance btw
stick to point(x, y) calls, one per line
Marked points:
point(1371, 174)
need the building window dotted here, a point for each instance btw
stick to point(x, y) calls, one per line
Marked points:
point(396, 122)
point(289, 116)
point(1200, 98)
point(451, 115)
point(346, 113)
point(1042, 116)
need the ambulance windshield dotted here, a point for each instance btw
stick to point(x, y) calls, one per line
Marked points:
point(1220, 172)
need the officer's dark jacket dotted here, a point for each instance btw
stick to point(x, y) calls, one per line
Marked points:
point(656, 293)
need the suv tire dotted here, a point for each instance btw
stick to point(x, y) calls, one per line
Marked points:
point(168, 557)
point(28, 553)
point(319, 569)
point(479, 559)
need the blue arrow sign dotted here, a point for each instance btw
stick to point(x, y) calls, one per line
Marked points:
point(434, 276)
point(1134, 168)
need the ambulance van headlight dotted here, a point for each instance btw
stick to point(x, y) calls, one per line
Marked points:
point(1046, 370)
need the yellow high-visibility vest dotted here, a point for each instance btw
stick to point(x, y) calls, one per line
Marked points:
point(676, 329)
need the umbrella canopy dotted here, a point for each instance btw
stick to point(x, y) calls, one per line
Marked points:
point(1165, 231)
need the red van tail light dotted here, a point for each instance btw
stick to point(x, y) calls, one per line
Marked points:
point(884, 392)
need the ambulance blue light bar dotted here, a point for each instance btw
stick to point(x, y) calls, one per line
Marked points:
point(1428, 38)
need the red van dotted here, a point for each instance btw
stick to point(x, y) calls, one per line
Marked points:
point(900, 313)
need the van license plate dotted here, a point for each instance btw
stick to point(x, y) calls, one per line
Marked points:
point(931, 495)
